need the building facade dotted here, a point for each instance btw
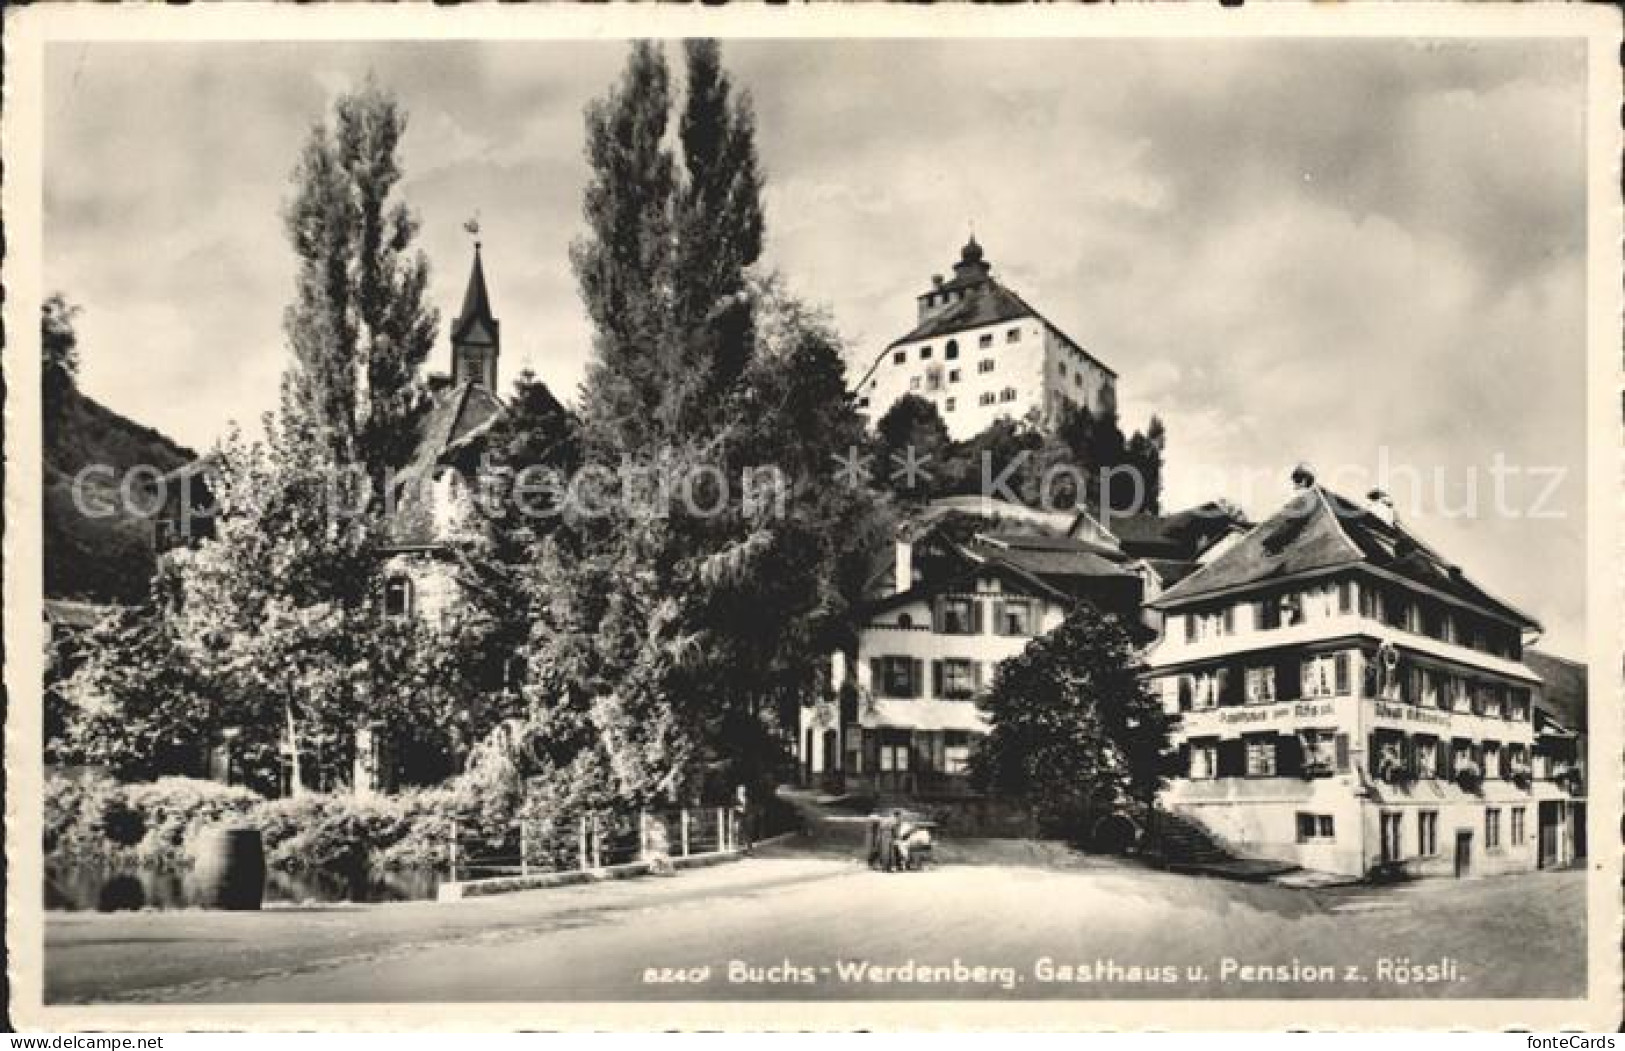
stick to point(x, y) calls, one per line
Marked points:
point(1349, 700)
point(979, 352)
point(1561, 767)
point(968, 583)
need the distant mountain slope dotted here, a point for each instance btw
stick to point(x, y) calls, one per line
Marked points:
point(99, 559)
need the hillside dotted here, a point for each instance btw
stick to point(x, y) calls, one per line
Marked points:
point(97, 559)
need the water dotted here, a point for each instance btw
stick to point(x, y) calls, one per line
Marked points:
point(94, 889)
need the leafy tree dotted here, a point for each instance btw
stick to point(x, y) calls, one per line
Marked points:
point(359, 326)
point(1074, 730)
point(672, 630)
point(914, 426)
point(59, 366)
point(625, 264)
point(134, 705)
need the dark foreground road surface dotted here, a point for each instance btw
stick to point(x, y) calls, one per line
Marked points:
point(808, 924)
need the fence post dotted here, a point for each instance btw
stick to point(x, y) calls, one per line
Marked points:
point(643, 833)
point(685, 832)
point(524, 846)
point(722, 829)
point(452, 850)
point(581, 842)
point(597, 843)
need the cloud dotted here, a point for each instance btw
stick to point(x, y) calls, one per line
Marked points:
point(1289, 249)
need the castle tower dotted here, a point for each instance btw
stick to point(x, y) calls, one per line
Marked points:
point(475, 336)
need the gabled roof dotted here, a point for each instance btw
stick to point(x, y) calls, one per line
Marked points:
point(459, 415)
point(1564, 693)
point(1318, 530)
point(1183, 535)
point(985, 302)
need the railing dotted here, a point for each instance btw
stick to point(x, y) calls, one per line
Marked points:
point(538, 844)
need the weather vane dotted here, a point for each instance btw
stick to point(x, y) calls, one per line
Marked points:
point(473, 227)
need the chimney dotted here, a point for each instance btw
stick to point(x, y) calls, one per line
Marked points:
point(904, 571)
point(1381, 504)
point(936, 280)
point(1303, 476)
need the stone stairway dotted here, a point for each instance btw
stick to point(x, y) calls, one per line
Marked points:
point(1181, 845)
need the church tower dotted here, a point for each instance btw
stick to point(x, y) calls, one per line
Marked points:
point(475, 335)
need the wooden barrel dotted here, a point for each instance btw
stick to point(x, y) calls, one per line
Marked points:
point(229, 868)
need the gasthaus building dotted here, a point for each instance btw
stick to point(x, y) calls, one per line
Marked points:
point(1350, 700)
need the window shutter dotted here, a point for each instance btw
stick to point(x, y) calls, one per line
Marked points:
point(1229, 620)
point(1232, 758)
point(1341, 742)
point(1190, 627)
point(1227, 686)
point(976, 675)
point(976, 617)
point(936, 615)
point(936, 678)
point(998, 617)
point(1345, 597)
point(1341, 666)
point(1183, 766)
point(916, 677)
point(1306, 671)
point(1288, 680)
point(877, 676)
point(1288, 755)
point(1186, 689)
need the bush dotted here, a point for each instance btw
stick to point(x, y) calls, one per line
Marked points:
point(90, 819)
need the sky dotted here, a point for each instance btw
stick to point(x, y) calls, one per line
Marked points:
point(1343, 253)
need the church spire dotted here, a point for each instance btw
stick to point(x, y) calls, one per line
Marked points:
point(475, 335)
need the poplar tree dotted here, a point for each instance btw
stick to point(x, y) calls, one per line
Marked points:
point(358, 327)
point(675, 641)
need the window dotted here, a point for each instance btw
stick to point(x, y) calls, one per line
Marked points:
point(987, 398)
point(905, 621)
point(398, 597)
point(1007, 394)
point(1267, 614)
point(1061, 366)
point(899, 357)
point(1393, 831)
point(1492, 828)
point(1493, 692)
point(1211, 624)
point(863, 402)
point(1260, 685)
point(933, 379)
point(957, 616)
point(948, 406)
point(1204, 759)
point(1322, 756)
point(1077, 379)
point(1517, 826)
point(1326, 675)
point(986, 341)
point(898, 677)
point(951, 351)
point(1315, 828)
point(953, 375)
point(1427, 756)
point(957, 679)
point(1013, 336)
point(1261, 756)
point(955, 753)
point(1493, 764)
point(985, 365)
point(925, 353)
point(1427, 833)
point(914, 383)
point(1206, 686)
point(1430, 694)
point(1015, 618)
point(894, 758)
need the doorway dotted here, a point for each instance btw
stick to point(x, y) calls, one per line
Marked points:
point(1464, 853)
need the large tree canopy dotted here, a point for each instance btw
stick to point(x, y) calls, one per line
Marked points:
point(1075, 731)
point(359, 327)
